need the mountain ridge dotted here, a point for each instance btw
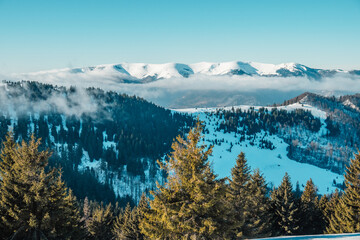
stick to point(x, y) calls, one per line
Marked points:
point(144, 72)
point(178, 85)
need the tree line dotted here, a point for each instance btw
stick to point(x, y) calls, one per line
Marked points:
point(329, 148)
point(194, 203)
point(251, 121)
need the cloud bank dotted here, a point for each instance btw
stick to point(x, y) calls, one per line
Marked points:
point(167, 91)
point(16, 101)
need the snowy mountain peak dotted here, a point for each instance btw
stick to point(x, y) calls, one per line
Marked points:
point(145, 72)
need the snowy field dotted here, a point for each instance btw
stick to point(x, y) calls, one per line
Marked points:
point(272, 163)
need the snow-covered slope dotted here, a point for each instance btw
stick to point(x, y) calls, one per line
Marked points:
point(351, 104)
point(144, 71)
point(272, 163)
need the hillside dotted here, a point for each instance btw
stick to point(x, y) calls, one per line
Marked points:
point(108, 143)
point(310, 132)
point(232, 130)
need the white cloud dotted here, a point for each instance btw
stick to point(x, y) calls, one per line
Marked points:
point(74, 104)
point(176, 87)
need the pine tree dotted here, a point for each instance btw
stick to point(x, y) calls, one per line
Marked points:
point(117, 226)
point(329, 209)
point(2, 226)
point(63, 209)
point(32, 197)
point(7, 186)
point(346, 216)
point(143, 206)
point(86, 212)
point(258, 204)
point(284, 208)
point(119, 222)
point(127, 226)
point(101, 223)
point(322, 206)
point(311, 217)
point(190, 205)
point(297, 193)
point(238, 191)
point(240, 196)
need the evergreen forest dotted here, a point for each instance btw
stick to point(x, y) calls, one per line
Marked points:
point(99, 139)
point(193, 203)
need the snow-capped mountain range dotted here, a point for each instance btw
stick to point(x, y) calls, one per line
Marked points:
point(178, 85)
point(150, 72)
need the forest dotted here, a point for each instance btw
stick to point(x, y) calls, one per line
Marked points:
point(327, 143)
point(69, 150)
point(107, 143)
point(35, 202)
point(124, 135)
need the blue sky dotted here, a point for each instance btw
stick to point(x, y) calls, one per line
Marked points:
point(47, 34)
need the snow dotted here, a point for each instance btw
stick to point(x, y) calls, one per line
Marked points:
point(189, 85)
point(264, 68)
point(142, 70)
point(223, 68)
point(350, 104)
point(170, 70)
point(271, 69)
point(314, 111)
point(125, 184)
point(86, 163)
point(344, 236)
point(108, 144)
point(63, 120)
point(272, 163)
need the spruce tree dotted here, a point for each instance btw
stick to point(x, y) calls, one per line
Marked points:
point(101, 223)
point(8, 195)
point(247, 197)
point(322, 206)
point(86, 212)
point(346, 216)
point(117, 226)
point(258, 204)
point(191, 203)
point(131, 227)
point(143, 206)
point(126, 225)
point(119, 222)
point(310, 214)
point(285, 212)
point(297, 192)
point(34, 200)
point(64, 209)
point(238, 193)
point(329, 209)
